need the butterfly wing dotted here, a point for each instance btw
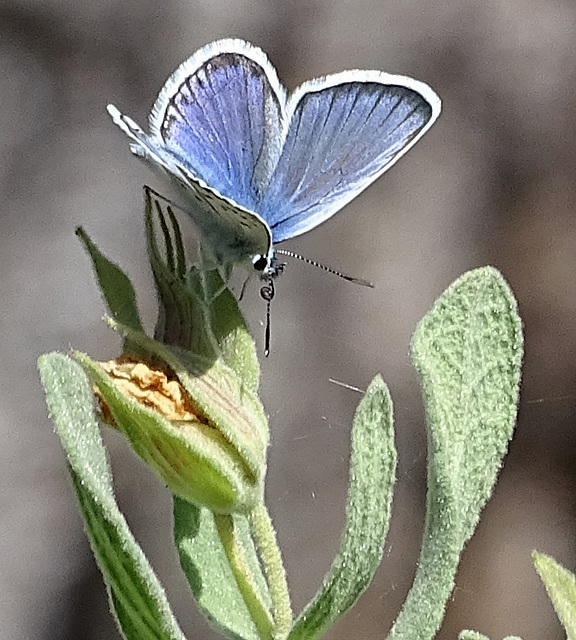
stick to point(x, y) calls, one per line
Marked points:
point(345, 131)
point(216, 129)
point(221, 114)
point(233, 233)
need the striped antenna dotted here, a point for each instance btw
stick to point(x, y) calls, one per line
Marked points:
point(291, 254)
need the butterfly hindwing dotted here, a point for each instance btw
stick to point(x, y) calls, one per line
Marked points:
point(345, 131)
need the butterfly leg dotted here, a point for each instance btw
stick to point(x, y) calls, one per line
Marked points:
point(243, 290)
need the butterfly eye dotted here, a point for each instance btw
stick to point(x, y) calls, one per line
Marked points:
point(260, 263)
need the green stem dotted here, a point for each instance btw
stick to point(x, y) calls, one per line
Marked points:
point(241, 570)
point(265, 538)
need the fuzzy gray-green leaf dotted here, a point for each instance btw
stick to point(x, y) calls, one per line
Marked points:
point(468, 353)
point(208, 571)
point(137, 598)
point(372, 475)
point(561, 588)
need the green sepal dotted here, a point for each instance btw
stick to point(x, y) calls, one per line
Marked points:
point(372, 476)
point(236, 345)
point(193, 458)
point(561, 588)
point(198, 313)
point(137, 599)
point(468, 353)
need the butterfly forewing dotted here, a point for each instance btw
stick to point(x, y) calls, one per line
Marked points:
point(222, 120)
point(340, 139)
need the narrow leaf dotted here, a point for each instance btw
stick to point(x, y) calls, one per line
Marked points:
point(114, 284)
point(206, 566)
point(561, 587)
point(468, 353)
point(137, 598)
point(372, 475)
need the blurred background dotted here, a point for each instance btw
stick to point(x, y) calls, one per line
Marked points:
point(491, 183)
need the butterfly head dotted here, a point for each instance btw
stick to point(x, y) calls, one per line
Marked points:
point(268, 266)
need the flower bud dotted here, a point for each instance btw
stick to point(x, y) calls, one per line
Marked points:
point(209, 446)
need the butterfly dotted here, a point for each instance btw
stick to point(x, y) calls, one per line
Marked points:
point(255, 165)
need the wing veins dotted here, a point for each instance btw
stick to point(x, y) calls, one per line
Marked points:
point(207, 124)
point(382, 124)
point(337, 159)
point(309, 165)
point(409, 115)
point(345, 122)
point(334, 138)
point(217, 134)
point(250, 131)
point(343, 160)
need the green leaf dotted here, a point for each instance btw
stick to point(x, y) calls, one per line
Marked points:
point(116, 288)
point(209, 574)
point(561, 587)
point(372, 475)
point(468, 353)
point(136, 596)
point(237, 347)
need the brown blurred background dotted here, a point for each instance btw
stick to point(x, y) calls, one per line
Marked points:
point(492, 183)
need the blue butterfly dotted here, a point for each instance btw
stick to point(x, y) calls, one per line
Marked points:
point(255, 165)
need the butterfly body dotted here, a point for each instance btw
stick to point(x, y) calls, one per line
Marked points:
point(254, 166)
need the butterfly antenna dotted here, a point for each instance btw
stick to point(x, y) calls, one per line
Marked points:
point(267, 294)
point(291, 254)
